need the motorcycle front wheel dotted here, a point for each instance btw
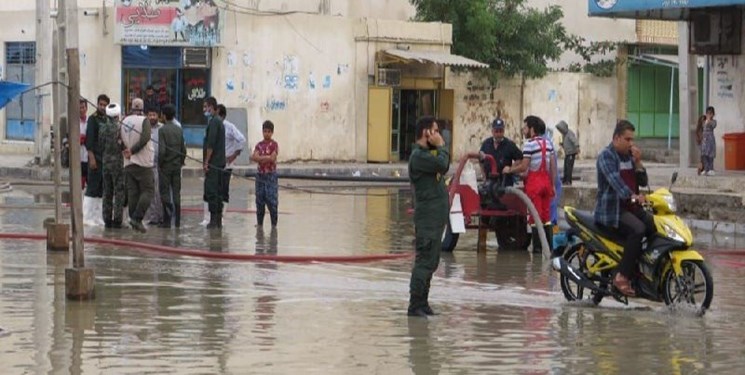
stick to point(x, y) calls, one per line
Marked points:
point(693, 289)
point(579, 257)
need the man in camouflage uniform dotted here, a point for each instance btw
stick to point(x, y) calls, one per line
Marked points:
point(110, 144)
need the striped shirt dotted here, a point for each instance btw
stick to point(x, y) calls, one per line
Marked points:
point(532, 150)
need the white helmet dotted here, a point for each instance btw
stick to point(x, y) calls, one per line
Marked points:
point(113, 110)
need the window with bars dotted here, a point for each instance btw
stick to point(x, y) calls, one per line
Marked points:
point(20, 53)
point(20, 114)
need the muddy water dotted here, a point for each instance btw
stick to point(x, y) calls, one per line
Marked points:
point(500, 312)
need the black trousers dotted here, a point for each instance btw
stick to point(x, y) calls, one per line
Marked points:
point(226, 185)
point(94, 181)
point(568, 168)
point(634, 223)
point(169, 187)
point(213, 190)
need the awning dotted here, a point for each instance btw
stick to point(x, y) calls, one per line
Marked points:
point(439, 58)
point(9, 90)
point(652, 9)
point(664, 60)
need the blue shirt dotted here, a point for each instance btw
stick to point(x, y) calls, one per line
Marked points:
point(611, 187)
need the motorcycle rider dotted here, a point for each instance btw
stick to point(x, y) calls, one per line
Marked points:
point(620, 172)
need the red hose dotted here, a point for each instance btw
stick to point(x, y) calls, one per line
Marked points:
point(224, 256)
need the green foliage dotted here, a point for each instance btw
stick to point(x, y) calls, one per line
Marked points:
point(511, 37)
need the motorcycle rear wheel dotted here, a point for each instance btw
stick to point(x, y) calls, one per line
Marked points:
point(695, 288)
point(579, 260)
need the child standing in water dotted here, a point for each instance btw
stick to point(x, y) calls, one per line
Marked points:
point(267, 186)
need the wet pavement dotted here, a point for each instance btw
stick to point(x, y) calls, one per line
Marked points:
point(501, 312)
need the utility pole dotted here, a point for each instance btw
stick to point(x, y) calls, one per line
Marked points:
point(79, 280)
point(58, 233)
point(42, 74)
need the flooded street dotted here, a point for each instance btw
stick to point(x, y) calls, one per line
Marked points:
point(499, 312)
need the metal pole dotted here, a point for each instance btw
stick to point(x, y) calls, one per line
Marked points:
point(57, 130)
point(43, 73)
point(670, 111)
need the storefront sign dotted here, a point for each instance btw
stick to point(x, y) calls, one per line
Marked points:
point(169, 22)
point(627, 8)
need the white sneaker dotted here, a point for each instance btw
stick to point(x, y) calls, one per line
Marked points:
point(206, 217)
point(710, 173)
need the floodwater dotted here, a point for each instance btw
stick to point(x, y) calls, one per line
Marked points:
point(500, 312)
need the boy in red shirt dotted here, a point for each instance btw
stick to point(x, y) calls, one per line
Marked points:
point(267, 186)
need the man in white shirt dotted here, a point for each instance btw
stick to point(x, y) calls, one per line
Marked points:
point(234, 144)
point(138, 163)
point(83, 150)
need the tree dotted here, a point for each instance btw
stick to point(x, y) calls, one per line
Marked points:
point(511, 37)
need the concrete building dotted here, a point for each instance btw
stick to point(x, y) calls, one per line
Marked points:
point(710, 28)
point(342, 80)
point(307, 66)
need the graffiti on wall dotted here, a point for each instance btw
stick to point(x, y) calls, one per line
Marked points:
point(275, 104)
point(158, 22)
point(290, 78)
point(724, 81)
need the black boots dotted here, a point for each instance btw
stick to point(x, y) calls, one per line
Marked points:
point(548, 229)
point(166, 223)
point(215, 220)
point(419, 306)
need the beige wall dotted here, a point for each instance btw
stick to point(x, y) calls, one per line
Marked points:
point(258, 54)
point(595, 29)
point(585, 102)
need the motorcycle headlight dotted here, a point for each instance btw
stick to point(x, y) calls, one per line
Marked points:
point(673, 234)
point(670, 200)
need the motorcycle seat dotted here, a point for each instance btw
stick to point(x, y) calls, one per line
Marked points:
point(588, 220)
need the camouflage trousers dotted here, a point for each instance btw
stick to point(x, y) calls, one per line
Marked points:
point(113, 195)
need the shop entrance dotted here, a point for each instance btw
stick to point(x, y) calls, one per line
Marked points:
point(173, 79)
point(408, 106)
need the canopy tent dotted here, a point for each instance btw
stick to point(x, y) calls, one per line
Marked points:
point(9, 90)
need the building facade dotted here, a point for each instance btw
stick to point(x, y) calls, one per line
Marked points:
point(341, 80)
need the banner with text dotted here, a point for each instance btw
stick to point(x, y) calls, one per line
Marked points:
point(196, 23)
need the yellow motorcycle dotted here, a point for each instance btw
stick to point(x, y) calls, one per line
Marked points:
point(669, 270)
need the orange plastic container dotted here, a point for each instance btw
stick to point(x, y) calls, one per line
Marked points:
point(734, 151)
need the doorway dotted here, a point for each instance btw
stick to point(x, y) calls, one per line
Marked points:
point(408, 106)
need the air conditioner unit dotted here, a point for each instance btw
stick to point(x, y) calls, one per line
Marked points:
point(388, 77)
point(715, 31)
point(196, 57)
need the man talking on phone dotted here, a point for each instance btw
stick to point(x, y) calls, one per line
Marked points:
point(428, 164)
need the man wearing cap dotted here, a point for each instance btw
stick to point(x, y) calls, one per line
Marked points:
point(504, 150)
point(139, 155)
point(110, 144)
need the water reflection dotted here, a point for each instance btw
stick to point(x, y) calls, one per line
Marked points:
point(500, 312)
point(422, 348)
